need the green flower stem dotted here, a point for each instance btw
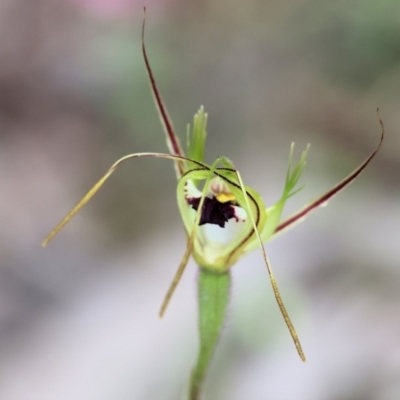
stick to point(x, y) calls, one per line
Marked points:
point(213, 292)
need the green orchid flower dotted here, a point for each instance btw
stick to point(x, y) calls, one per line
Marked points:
point(223, 219)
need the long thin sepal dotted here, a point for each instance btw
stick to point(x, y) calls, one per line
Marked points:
point(80, 204)
point(173, 142)
point(100, 183)
point(213, 296)
point(272, 277)
point(321, 201)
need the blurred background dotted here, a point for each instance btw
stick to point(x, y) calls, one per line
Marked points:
point(79, 319)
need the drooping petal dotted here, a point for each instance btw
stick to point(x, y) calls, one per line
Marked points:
point(275, 289)
point(100, 183)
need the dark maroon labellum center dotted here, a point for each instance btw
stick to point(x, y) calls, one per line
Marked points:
point(213, 211)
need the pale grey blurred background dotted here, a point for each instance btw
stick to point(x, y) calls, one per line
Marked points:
point(78, 320)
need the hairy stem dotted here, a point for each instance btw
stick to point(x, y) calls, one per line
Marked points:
point(213, 292)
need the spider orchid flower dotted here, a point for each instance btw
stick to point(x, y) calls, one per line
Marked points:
point(223, 219)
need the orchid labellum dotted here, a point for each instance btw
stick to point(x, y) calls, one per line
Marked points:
point(223, 219)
